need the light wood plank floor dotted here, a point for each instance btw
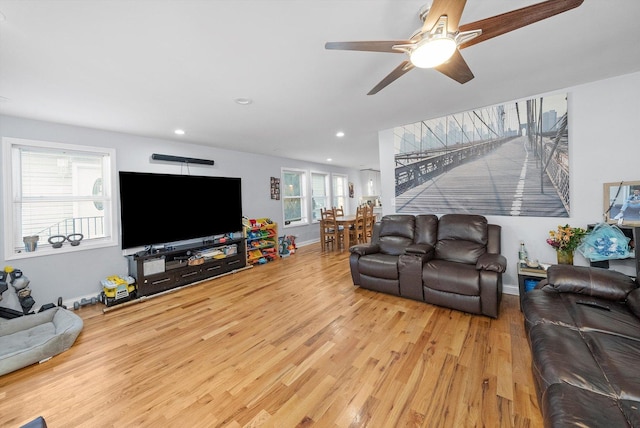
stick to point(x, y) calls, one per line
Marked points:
point(290, 343)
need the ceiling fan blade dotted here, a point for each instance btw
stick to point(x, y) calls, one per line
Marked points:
point(452, 8)
point(372, 46)
point(400, 70)
point(456, 68)
point(509, 21)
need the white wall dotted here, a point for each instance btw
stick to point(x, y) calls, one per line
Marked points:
point(604, 147)
point(78, 274)
point(603, 144)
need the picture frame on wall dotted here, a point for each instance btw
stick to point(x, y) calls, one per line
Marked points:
point(275, 188)
point(622, 203)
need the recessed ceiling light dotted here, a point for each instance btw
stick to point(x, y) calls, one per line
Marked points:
point(329, 159)
point(179, 132)
point(339, 134)
point(243, 101)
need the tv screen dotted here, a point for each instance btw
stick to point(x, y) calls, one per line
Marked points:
point(162, 208)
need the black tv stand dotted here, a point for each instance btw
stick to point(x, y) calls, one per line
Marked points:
point(160, 270)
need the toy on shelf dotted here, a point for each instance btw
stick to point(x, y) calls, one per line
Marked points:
point(262, 240)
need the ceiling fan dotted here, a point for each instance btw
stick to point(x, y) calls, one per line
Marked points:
point(437, 44)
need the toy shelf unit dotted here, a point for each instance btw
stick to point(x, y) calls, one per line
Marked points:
point(166, 269)
point(262, 240)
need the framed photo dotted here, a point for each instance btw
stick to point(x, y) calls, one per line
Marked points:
point(275, 188)
point(622, 203)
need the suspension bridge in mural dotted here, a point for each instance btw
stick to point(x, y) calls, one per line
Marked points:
point(510, 160)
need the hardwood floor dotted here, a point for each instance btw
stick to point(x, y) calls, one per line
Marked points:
point(290, 343)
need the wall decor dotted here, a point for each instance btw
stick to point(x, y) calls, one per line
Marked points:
point(351, 192)
point(622, 203)
point(509, 159)
point(275, 188)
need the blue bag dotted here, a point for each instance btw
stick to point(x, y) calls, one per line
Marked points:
point(605, 242)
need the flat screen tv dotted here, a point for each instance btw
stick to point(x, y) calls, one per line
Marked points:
point(158, 209)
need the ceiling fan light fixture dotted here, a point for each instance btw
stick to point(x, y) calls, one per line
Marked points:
point(432, 52)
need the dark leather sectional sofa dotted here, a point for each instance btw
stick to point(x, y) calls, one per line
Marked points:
point(452, 261)
point(583, 326)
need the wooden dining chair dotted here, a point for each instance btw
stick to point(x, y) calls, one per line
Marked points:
point(338, 212)
point(369, 220)
point(357, 231)
point(329, 233)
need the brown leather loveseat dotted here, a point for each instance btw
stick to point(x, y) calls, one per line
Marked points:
point(453, 261)
point(583, 326)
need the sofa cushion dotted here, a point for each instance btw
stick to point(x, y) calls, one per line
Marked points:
point(396, 233)
point(451, 277)
point(545, 306)
point(426, 229)
point(560, 355)
point(567, 406)
point(379, 266)
point(617, 320)
point(461, 238)
point(604, 283)
point(459, 251)
point(617, 357)
point(551, 307)
point(631, 410)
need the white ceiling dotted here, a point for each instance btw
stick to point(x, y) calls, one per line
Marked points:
point(147, 67)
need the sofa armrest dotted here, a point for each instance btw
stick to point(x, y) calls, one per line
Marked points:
point(492, 262)
point(420, 250)
point(364, 249)
point(591, 281)
point(541, 284)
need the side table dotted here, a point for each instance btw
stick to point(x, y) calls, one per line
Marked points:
point(528, 273)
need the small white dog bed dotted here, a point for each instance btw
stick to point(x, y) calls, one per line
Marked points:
point(33, 338)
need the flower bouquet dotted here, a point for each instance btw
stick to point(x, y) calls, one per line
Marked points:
point(565, 240)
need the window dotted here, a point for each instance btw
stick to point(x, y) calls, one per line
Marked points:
point(57, 192)
point(319, 194)
point(339, 189)
point(294, 201)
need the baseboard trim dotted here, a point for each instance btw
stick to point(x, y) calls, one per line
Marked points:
point(510, 289)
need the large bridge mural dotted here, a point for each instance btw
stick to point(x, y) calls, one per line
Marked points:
point(508, 159)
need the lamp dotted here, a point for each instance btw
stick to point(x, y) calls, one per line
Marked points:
point(432, 51)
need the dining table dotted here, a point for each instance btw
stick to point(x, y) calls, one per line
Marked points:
point(345, 222)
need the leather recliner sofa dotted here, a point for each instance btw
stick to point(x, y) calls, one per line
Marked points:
point(453, 261)
point(583, 327)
